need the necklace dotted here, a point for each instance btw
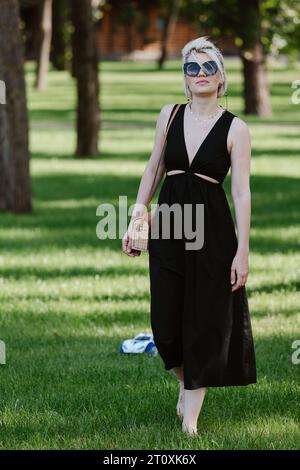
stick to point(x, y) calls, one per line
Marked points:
point(206, 119)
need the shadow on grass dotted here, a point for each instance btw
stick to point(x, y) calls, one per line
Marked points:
point(114, 272)
point(103, 157)
point(70, 219)
point(278, 152)
point(80, 363)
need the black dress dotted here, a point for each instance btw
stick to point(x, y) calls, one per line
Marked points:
point(196, 319)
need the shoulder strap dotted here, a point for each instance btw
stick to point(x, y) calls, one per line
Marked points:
point(172, 115)
point(173, 109)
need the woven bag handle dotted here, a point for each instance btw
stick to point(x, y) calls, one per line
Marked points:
point(164, 146)
point(163, 149)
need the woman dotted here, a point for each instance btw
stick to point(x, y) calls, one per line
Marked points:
point(199, 308)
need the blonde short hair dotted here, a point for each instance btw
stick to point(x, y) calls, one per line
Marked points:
point(202, 44)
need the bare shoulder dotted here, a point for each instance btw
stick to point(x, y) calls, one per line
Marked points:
point(238, 133)
point(167, 108)
point(163, 118)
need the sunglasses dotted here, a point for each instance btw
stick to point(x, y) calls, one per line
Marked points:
point(192, 69)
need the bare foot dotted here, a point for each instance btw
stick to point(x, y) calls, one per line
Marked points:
point(188, 429)
point(193, 400)
point(180, 402)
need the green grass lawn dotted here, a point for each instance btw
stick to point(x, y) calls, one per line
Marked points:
point(68, 299)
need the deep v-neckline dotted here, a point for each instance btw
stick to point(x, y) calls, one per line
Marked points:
point(204, 140)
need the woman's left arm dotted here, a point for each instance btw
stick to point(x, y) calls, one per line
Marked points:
point(240, 154)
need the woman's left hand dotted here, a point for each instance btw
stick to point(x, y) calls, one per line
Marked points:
point(239, 271)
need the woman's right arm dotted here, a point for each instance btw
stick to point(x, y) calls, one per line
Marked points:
point(144, 195)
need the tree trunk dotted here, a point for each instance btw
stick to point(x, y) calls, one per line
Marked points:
point(15, 187)
point(169, 26)
point(86, 65)
point(44, 44)
point(60, 35)
point(30, 19)
point(5, 183)
point(256, 90)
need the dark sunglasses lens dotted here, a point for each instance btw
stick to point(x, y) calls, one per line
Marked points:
point(191, 69)
point(210, 67)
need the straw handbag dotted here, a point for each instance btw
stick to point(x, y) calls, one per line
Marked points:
point(140, 226)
